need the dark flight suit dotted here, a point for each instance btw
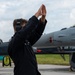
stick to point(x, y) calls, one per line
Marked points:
point(20, 47)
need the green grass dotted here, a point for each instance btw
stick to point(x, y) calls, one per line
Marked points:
point(52, 59)
point(55, 59)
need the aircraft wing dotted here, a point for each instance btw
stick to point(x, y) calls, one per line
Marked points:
point(54, 50)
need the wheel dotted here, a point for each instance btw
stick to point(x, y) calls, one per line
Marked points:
point(6, 61)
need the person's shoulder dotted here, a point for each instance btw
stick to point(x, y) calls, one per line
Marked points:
point(11, 38)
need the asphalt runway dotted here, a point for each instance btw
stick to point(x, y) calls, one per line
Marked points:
point(44, 69)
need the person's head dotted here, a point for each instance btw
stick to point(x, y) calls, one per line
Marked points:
point(18, 24)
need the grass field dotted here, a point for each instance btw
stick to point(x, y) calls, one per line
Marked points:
point(52, 59)
point(55, 59)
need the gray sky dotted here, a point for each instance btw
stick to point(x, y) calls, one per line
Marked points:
point(60, 14)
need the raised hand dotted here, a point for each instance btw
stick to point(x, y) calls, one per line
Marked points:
point(43, 10)
point(43, 13)
point(39, 12)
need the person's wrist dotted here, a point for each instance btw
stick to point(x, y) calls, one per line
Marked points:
point(36, 15)
point(43, 18)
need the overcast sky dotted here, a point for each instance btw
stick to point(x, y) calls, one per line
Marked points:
point(60, 14)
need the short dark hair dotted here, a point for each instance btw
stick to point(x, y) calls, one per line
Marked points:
point(22, 21)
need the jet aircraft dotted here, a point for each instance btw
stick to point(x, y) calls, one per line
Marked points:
point(4, 53)
point(57, 41)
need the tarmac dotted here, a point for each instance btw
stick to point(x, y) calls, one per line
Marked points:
point(44, 70)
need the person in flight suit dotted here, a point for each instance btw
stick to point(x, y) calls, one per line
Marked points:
point(20, 46)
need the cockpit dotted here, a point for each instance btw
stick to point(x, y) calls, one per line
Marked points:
point(63, 28)
point(72, 26)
